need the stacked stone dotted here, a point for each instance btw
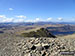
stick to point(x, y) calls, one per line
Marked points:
point(35, 46)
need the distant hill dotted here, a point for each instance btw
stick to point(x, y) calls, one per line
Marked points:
point(62, 30)
point(68, 36)
point(56, 28)
point(34, 23)
point(42, 32)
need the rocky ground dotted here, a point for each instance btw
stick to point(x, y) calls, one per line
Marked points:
point(20, 46)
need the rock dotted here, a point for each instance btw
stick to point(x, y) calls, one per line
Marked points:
point(29, 47)
point(27, 51)
point(33, 47)
point(46, 46)
point(40, 48)
point(38, 45)
point(28, 54)
point(33, 54)
point(44, 53)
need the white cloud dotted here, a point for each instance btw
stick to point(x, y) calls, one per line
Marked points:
point(35, 20)
point(49, 19)
point(11, 9)
point(60, 19)
point(7, 20)
point(29, 21)
point(19, 20)
point(2, 16)
point(21, 16)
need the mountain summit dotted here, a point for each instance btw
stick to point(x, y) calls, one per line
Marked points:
point(42, 32)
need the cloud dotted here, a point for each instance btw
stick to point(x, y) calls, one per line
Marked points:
point(11, 9)
point(60, 19)
point(19, 20)
point(7, 20)
point(49, 19)
point(29, 21)
point(2, 16)
point(35, 20)
point(38, 20)
point(21, 16)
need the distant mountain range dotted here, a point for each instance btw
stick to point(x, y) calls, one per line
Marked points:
point(55, 28)
point(36, 23)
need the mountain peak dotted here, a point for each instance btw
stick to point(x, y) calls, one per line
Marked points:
point(42, 32)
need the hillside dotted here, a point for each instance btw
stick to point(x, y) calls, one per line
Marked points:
point(16, 29)
point(42, 32)
point(72, 36)
point(62, 29)
point(35, 40)
point(21, 46)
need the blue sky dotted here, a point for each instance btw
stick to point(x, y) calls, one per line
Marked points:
point(37, 10)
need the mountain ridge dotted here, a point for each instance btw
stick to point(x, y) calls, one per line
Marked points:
point(42, 32)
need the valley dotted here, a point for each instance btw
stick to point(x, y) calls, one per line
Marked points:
point(17, 29)
point(33, 40)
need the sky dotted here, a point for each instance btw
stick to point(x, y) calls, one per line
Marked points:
point(37, 10)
